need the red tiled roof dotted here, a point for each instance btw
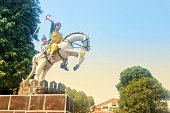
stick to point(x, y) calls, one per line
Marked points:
point(113, 101)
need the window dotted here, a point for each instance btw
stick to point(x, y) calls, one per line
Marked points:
point(105, 107)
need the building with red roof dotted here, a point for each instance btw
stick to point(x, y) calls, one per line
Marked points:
point(106, 107)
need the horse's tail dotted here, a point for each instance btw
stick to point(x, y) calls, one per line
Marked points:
point(33, 68)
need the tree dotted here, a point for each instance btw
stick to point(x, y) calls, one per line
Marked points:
point(90, 100)
point(83, 102)
point(145, 95)
point(130, 74)
point(18, 21)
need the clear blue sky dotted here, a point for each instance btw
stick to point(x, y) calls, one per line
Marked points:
point(123, 33)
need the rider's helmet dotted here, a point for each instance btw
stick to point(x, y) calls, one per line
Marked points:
point(44, 37)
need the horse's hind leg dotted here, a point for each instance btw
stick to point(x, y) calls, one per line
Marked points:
point(39, 69)
point(44, 72)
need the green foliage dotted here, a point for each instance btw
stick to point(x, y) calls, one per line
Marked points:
point(130, 74)
point(90, 101)
point(143, 96)
point(83, 102)
point(18, 20)
point(140, 92)
point(116, 110)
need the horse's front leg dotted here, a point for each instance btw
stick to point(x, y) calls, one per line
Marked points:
point(80, 59)
point(78, 54)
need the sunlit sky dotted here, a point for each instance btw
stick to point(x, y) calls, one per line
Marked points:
point(123, 33)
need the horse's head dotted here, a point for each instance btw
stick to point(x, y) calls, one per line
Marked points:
point(86, 43)
point(78, 36)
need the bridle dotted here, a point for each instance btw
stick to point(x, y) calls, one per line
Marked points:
point(87, 40)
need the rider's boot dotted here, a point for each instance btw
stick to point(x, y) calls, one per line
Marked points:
point(64, 64)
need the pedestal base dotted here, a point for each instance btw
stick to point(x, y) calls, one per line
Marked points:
point(41, 103)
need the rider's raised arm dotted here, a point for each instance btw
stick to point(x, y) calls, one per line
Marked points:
point(52, 26)
point(51, 30)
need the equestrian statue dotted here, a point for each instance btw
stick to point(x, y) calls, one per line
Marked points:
point(56, 49)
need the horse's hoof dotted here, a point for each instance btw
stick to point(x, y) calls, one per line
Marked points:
point(75, 67)
point(62, 66)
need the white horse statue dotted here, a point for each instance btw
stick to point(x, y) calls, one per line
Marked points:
point(41, 63)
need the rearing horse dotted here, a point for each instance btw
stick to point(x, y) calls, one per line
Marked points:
point(41, 63)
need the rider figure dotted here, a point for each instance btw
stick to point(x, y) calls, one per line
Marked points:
point(56, 38)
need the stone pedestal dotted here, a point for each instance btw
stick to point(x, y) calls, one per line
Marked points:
point(41, 103)
point(33, 87)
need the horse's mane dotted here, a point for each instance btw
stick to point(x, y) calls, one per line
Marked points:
point(73, 34)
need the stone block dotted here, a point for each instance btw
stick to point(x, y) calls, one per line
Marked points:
point(41, 90)
point(37, 102)
point(44, 83)
point(19, 102)
point(4, 101)
point(52, 91)
point(61, 87)
point(53, 84)
point(55, 102)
